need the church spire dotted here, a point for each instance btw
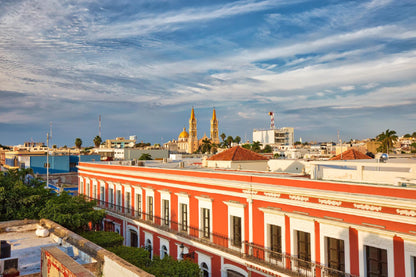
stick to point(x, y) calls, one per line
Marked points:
point(193, 138)
point(214, 128)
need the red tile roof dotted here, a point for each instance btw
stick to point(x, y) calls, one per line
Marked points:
point(351, 154)
point(237, 153)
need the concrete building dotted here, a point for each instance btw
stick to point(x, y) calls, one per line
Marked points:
point(275, 137)
point(134, 154)
point(121, 142)
point(237, 223)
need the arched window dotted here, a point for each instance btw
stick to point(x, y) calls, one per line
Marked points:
point(134, 240)
point(148, 247)
point(163, 251)
point(204, 270)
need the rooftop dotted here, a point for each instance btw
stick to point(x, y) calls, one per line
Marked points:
point(237, 153)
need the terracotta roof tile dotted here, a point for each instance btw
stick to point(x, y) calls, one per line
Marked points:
point(351, 154)
point(237, 153)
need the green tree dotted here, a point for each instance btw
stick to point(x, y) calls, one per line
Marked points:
point(413, 147)
point(206, 145)
point(407, 135)
point(78, 143)
point(72, 212)
point(223, 136)
point(97, 141)
point(267, 149)
point(237, 139)
point(256, 146)
point(229, 140)
point(145, 156)
point(246, 146)
point(387, 139)
point(21, 195)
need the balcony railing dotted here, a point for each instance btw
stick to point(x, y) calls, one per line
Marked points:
point(282, 262)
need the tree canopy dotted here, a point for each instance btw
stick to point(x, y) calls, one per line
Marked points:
point(22, 196)
point(97, 141)
point(145, 156)
point(78, 143)
point(387, 139)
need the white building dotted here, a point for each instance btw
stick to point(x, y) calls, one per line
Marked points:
point(282, 136)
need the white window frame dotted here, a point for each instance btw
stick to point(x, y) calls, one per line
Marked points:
point(183, 198)
point(336, 232)
point(272, 217)
point(165, 195)
point(149, 193)
point(127, 204)
point(235, 209)
point(305, 225)
point(203, 258)
point(205, 203)
point(138, 191)
point(163, 242)
point(378, 240)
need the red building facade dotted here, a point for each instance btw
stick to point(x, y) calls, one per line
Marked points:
point(241, 224)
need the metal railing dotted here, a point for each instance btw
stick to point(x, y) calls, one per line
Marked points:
point(282, 262)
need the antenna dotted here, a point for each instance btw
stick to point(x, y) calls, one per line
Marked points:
point(99, 125)
point(50, 130)
point(272, 120)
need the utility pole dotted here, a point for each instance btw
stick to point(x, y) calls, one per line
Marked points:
point(47, 159)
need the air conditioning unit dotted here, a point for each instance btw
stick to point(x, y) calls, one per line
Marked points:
point(8, 263)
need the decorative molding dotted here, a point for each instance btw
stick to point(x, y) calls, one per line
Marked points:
point(330, 202)
point(299, 198)
point(367, 207)
point(250, 191)
point(406, 212)
point(272, 194)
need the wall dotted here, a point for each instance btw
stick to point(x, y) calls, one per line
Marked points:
point(288, 166)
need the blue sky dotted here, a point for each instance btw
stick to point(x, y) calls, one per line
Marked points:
point(322, 66)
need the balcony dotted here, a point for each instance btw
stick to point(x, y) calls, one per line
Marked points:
point(256, 254)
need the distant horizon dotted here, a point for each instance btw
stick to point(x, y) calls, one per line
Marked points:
point(321, 66)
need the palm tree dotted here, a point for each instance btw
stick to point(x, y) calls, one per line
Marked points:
point(206, 145)
point(223, 136)
point(237, 139)
point(97, 141)
point(386, 138)
point(78, 143)
point(256, 146)
point(145, 156)
point(229, 140)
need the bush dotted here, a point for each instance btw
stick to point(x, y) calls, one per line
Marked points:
point(137, 256)
point(167, 267)
point(104, 239)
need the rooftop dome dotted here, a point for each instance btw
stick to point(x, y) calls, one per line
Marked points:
point(183, 134)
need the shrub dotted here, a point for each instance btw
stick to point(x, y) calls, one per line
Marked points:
point(137, 256)
point(104, 239)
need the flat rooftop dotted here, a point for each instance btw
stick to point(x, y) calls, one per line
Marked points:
point(26, 246)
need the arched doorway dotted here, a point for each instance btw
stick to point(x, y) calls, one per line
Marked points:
point(134, 239)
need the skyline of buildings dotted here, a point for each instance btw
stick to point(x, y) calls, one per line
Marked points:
point(321, 66)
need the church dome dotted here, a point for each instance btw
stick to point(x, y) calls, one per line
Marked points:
point(184, 134)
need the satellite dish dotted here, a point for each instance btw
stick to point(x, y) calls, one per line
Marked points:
point(384, 157)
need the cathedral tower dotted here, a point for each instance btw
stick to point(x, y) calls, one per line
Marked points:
point(193, 139)
point(214, 128)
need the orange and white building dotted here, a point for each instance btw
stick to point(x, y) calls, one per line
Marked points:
point(235, 223)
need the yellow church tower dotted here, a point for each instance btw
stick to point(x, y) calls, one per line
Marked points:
point(193, 139)
point(214, 128)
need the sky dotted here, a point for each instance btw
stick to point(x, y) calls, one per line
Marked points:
point(320, 66)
